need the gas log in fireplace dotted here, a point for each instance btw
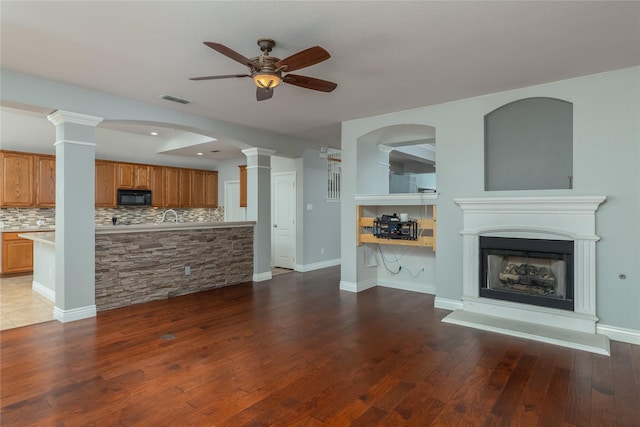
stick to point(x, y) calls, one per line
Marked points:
point(529, 271)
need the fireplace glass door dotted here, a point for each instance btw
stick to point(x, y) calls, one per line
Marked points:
point(530, 271)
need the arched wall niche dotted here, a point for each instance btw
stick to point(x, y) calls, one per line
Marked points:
point(528, 145)
point(396, 159)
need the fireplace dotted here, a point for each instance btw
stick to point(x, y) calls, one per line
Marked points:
point(528, 271)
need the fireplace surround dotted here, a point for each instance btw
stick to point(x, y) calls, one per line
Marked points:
point(569, 219)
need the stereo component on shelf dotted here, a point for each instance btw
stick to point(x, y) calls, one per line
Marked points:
point(390, 227)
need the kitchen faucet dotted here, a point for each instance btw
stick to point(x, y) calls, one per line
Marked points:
point(166, 212)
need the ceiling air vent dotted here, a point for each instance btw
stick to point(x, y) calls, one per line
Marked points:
point(175, 99)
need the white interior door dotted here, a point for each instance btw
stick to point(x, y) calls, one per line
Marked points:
point(232, 209)
point(284, 219)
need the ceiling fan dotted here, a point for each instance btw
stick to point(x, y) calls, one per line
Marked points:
point(266, 70)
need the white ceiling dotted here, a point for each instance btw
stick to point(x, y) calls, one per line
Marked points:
point(386, 56)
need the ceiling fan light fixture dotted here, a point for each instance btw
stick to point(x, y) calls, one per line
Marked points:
point(266, 80)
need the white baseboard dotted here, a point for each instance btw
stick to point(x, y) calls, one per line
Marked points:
point(357, 287)
point(407, 286)
point(447, 304)
point(261, 277)
point(615, 333)
point(303, 268)
point(80, 313)
point(44, 291)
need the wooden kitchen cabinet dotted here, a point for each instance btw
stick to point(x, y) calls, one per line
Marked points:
point(17, 254)
point(211, 189)
point(184, 187)
point(105, 184)
point(243, 186)
point(29, 180)
point(171, 187)
point(16, 179)
point(141, 178)
point(125, 175)
point(45, 177)
point(131, 175)
point(198, 194)
point(156, 185)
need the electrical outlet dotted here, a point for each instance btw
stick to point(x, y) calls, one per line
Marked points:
point(321, 251)
point(187, 270)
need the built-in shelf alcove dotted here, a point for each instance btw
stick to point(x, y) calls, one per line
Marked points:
point(398, 159)
point(529, 145)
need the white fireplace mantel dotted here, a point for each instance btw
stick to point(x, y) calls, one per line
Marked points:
point(539, 217)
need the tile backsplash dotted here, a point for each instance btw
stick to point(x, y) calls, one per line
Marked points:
point(29, 217)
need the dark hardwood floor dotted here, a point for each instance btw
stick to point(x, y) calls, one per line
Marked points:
point(296, 351)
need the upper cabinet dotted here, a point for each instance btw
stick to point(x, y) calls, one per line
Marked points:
point(132, 175)
point(45, 174)
point(125, 175)
point(171, 187)
point(105, 184)
point(197, 189)
point(156, 185)
point(243, 186)
point(184, 187)
point(29, 180)
point(16, 179)
point(211, 189)
point(141, 176)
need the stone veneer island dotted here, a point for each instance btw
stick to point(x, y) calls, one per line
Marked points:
point(140, 263)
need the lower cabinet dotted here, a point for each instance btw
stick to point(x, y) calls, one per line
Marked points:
point(17, 254)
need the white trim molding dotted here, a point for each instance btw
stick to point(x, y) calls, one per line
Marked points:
point(70, 141)
point(60, 116)
point(357, 287)
point(408, 199)
point(79, 313)
point(615, 333)
point(44, 291)
point(303, 268)
point(261, 277)
point(257, 151)
point(408, 286)
point(447, 304)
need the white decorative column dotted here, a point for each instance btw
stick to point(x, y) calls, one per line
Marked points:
point(75, 223)
point(259, 209)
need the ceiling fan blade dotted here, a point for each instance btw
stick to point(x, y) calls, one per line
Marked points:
point(304, 58)
point(263, 93)
point(231, 54)
point(228, 76)
point(309, 82)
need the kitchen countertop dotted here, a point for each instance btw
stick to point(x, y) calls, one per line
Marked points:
point(27, 229)
point(169, 226)
point(132, 228)
point(48, 238)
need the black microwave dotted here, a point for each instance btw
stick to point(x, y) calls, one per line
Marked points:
point(134, 197)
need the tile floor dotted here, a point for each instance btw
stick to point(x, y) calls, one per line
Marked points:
point(20, 305)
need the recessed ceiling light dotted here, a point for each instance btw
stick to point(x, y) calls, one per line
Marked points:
point(200, 154)
point(154, 133)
